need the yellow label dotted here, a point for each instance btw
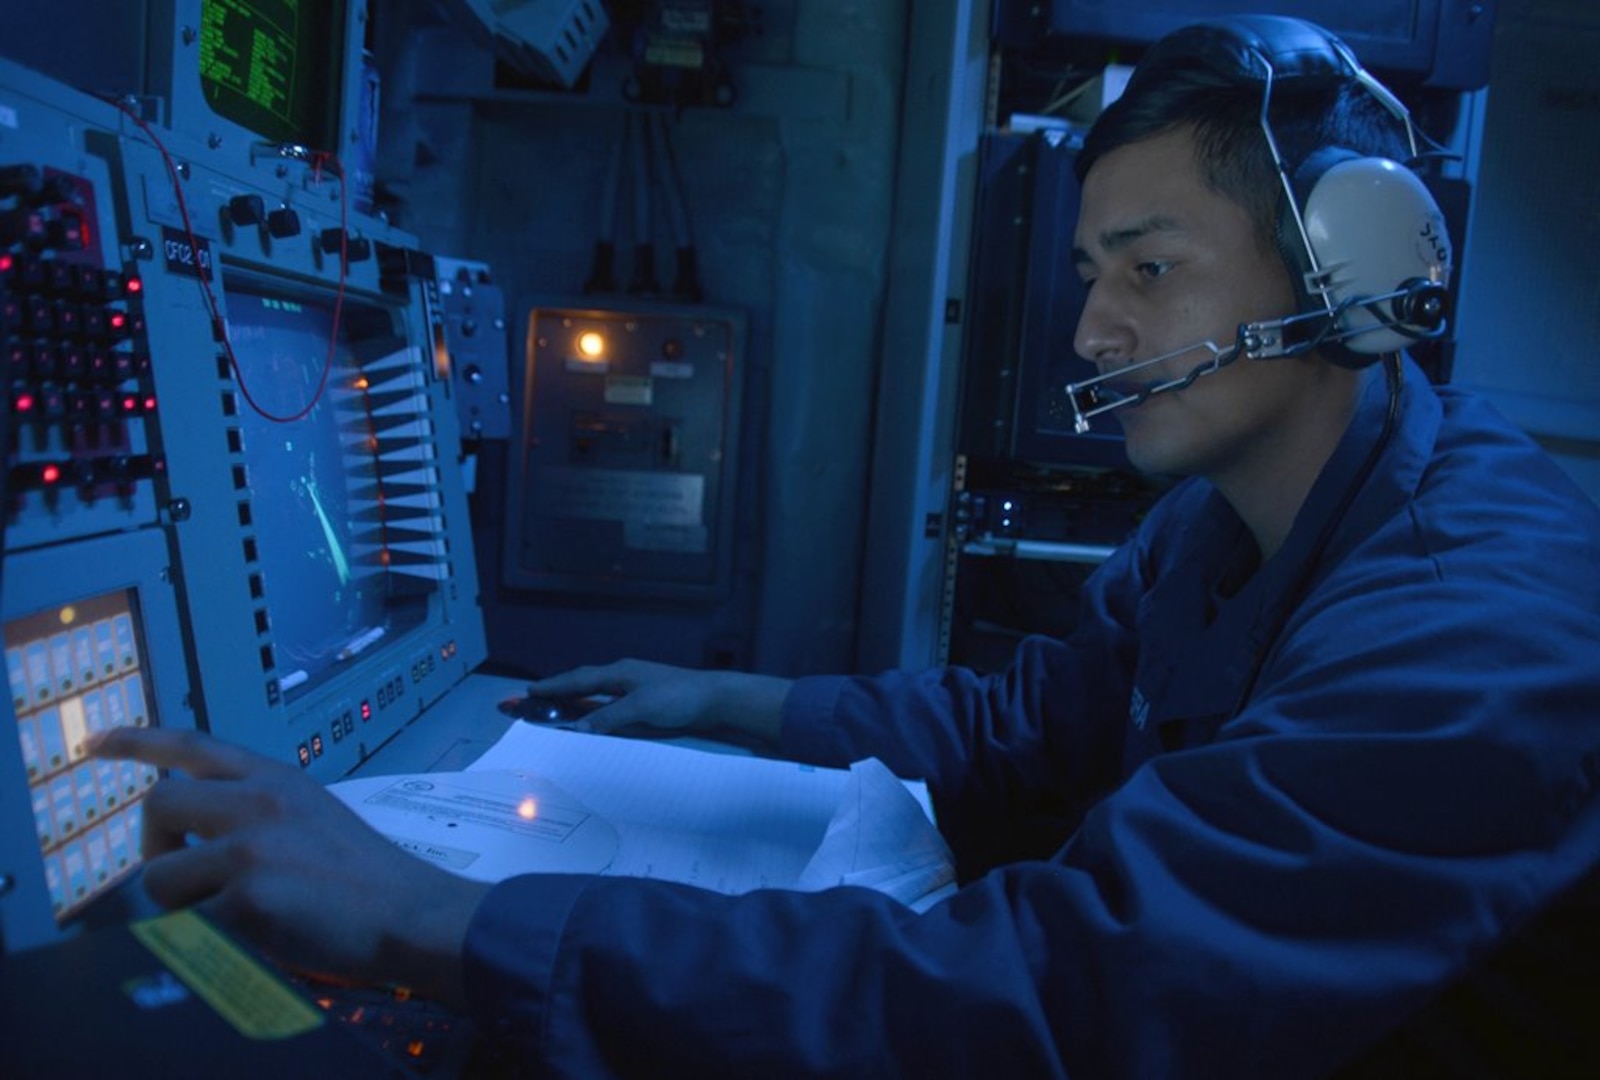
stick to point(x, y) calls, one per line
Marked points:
point(255, 1001)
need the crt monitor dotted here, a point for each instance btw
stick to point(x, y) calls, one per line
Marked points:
point(316, 499)
point(272, 66)
point(352, 603)
point(228, 72)
point(256, 78)
point(344, 562)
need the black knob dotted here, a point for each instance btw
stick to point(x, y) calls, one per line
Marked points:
point(283, 222)
point(246, 209)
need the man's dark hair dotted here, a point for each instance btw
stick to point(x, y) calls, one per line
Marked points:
point(1226, 120)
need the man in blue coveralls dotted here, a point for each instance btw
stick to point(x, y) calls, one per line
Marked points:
point(1311, 791)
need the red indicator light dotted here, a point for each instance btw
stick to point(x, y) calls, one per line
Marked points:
point(130, 404)
point(150, 404)
point(118, 320)
point(6, 263)
point(135, 286)
point(366, 711)
point(50, 474)
point(25, 403)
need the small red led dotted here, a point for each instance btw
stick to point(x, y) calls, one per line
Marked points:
point(118, 320)
point(25, 403)
point(150, 403)
point(6, 263)
point(366, 711)
point(50, 474)
point(130, 404)
point(135, 286)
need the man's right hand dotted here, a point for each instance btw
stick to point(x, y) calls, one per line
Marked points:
point(268, 853)
point(671, 698)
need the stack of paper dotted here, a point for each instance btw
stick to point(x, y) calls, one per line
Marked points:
point(545, 800)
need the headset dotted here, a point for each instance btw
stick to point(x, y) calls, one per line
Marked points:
point(1365, 243)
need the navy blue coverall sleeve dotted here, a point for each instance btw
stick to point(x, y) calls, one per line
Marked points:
point(1265, 905)
point(1193, 889)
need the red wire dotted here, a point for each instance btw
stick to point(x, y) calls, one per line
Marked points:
point(319, 160)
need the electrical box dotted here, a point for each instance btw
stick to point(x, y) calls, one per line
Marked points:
point(622, 482)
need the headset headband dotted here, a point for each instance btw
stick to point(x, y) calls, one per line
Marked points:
point(1275, 53)
point(1296, 56)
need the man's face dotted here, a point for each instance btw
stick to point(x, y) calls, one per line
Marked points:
point(1170, 263)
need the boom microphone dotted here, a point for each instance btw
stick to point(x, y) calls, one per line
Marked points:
point(1415, 311)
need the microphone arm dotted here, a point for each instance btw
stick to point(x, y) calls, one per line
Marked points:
point(1093, 397)
point(1418, 312)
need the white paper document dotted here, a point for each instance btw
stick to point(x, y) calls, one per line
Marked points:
point(880, 837)
point(488, 826)
point(726, 822)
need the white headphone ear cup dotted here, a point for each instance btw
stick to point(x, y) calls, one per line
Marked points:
point(1375, 228)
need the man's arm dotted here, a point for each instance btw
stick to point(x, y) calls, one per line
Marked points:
point(1270, 904)
point(266, 852)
